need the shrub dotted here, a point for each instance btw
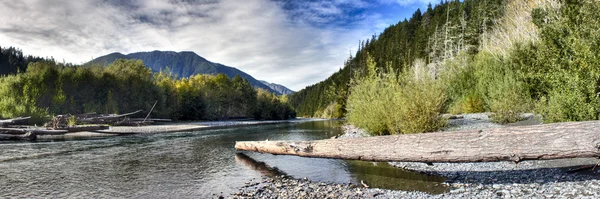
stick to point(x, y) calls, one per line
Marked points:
point(419, 104)
point(470, 103)
point(387, 103)
point(567, 104)
point(503, 93)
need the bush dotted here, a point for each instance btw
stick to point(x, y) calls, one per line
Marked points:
point(390, 104)
point(567, 104)
point(419, 103)
point(459, 81)
point(502, 92)
point(472, 102)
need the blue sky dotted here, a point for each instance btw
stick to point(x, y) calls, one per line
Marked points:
point(291, 42)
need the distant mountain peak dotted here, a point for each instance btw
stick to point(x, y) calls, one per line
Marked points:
point(186, 64)
point(278, 87)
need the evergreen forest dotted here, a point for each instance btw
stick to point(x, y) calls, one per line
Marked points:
point(498, 56)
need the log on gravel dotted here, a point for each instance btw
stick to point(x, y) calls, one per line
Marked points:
point(74, 129)
point(21, 131)
point(537, 142)
point(14, 121)
point(106, 118)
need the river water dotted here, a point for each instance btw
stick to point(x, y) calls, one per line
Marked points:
point(181, 165)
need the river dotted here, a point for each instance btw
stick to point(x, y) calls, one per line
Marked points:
point(181, 165)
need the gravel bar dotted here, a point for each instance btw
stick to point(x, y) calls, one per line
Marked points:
point(528, 179)
point(166, 128)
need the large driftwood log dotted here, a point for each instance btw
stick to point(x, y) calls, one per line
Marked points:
point(27, 136)
point(106, 119)
point(537, 142)
point(21, 131)
point(14, 121)
point(74, 129)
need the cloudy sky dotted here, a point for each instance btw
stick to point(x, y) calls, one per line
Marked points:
point(291, 42)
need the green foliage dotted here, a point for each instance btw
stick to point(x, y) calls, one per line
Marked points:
point(552, 66)
point(271, 107)
point(386, 103)
point(564, 70)
point(471, 103)
point(502, 92)
point(47, 88)
point(71, 121)
point(434, 35)
point(184, 64)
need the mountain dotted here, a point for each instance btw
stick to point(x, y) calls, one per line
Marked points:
point(277, 87)
point(182, 64)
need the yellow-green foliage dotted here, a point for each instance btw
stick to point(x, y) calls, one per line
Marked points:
point(48, 88)
point(420, 102)
point(71, 121)
point(502, 92)
point(371, 104)
point(19, 99)
point(471, 103)
point(386, 103)
point(564, 70)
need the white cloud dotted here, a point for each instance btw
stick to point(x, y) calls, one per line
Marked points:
point(258, 37)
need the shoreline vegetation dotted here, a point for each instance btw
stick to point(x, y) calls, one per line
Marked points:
point(505, 57)
point(47, 88)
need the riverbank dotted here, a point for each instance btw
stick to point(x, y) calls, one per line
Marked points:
point(165, 128)
point(528, 179)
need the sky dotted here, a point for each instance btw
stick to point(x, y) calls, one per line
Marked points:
point(295, 43)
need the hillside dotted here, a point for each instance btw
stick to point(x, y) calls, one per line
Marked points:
point(505, 57)
point(278, 87)
point(182, 64)
point(438, 33)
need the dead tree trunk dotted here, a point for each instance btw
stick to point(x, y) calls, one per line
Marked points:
point(538, 142)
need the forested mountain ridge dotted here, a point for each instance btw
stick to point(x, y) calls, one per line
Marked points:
point(501, 56)
point(431, 36)
point(182, 64)
point(278, 87)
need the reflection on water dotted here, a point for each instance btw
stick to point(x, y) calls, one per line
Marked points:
point(175, 165)
point(383, 175)
point(261, 167)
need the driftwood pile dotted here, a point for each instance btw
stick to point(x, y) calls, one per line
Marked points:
point(15, 129)
point(62, 121)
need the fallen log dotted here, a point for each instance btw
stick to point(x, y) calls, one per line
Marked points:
point(27, 136)
point(14, 121)
point(21, 131)
point(537, 142)
point(106, 119)
point(74, 129)
point(150, 119)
